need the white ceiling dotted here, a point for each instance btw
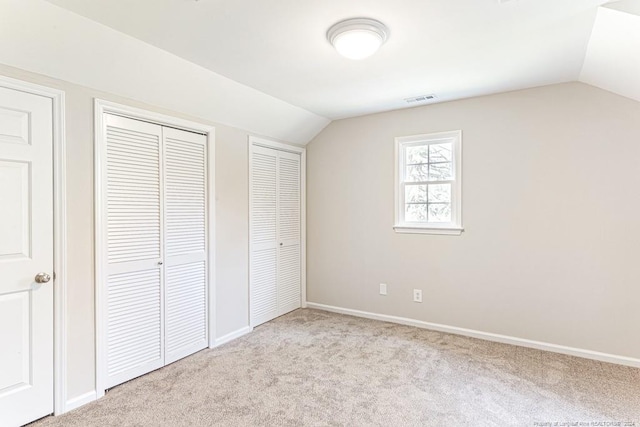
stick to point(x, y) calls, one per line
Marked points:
point(451, 48)
point(612, 61)
point(40, 37)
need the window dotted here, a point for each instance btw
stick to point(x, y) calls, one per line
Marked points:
point(428, 183)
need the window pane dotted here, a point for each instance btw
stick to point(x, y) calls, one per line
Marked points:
point(439, 193)
point(415, 213)
point(440, 152)
point(417, 154)
point(415, 194)
point(440, 212)
point(417, 173)
point(440, 172)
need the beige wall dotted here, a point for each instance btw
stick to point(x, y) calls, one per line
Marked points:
point(550, 208)
point(231, 171)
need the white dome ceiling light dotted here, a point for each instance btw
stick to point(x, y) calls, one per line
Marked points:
point(357, 38)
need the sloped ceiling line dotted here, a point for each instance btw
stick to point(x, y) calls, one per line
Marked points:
point(612, 60)
point(40, 37)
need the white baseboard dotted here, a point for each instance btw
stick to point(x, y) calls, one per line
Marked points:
point(91, 396)
point(81, 400)
point(233, 335)
point(505, 339)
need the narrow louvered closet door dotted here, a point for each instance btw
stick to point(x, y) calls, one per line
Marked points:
point(264, 255)
point(185, 169)
point(275, 227)
point(134, 336)
point(289, 271)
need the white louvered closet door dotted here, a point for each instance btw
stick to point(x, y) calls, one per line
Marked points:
point(275, 271)
point(289, 262)
point(133, 297)
point(264, 255)
point(185, 161)
point(154, 197)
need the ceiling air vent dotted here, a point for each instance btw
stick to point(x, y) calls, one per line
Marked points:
point(421, 98)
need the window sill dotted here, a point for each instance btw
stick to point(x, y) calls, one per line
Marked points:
point(449, 231)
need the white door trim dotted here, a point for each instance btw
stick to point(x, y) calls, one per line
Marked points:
point(101, 107)
point(261, 142)
point(59, 235)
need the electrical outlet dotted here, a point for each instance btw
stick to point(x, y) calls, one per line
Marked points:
point(417, 295)
point(383, 288)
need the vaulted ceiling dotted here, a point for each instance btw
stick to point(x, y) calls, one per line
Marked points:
point(612, 61)
point(450, 48)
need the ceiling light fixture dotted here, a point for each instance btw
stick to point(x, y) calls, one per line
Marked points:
point(357, 38)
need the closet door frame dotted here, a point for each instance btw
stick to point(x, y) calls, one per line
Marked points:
point(102, 107)
point(262, 142)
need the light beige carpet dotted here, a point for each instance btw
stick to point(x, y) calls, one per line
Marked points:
point(314, 368)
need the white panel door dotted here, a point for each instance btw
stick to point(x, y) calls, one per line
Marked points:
point(275, 234)
point(26, 249)
point(185, 207)
point(132, 195)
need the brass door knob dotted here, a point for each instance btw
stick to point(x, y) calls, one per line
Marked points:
point(42, 278)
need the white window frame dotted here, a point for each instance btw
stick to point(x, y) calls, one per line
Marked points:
point(451, 228)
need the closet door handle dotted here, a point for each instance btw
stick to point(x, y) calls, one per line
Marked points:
point(159, 262)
